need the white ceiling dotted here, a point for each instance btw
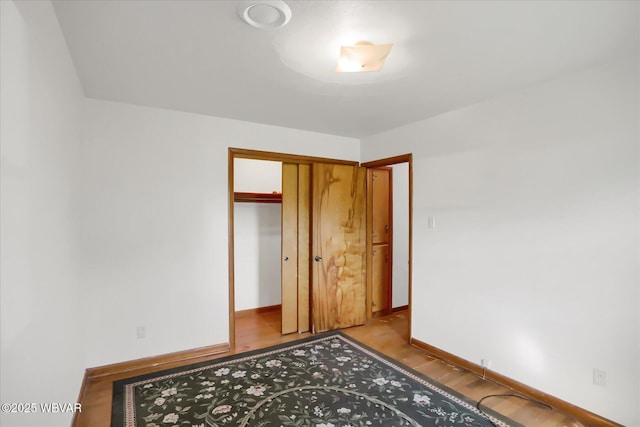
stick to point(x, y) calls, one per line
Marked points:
point(199, 56)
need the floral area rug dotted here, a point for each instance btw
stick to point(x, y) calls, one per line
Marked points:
point(327, 380)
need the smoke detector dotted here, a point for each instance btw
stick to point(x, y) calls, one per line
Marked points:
point(264, 14)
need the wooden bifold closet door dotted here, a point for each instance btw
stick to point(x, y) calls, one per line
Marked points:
point(338, 279)
point(323, 247)
point(295, 247)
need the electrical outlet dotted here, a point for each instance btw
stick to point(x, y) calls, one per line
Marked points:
point(485, 363)
point(141, 332)
point(599, 377)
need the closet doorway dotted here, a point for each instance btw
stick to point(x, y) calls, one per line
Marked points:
point(257, 236)
point(335, 242)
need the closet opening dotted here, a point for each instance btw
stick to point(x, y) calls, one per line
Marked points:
point(257, 247)
point(259, 269)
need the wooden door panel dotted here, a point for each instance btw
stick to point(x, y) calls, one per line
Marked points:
point(304, 194)
point(380, 246)
point(380, 195)
point(289, 263)
point(380, 272)
point(339, 242)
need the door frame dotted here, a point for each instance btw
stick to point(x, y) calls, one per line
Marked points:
point(386, 162)
point(241, 153)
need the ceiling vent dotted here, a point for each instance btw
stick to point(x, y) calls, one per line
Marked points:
point(264, 14)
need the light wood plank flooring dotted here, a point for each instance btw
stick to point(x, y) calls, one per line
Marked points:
point(386, 334)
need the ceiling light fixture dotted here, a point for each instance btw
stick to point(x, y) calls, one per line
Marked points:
point(264, 14)
point(363, 57)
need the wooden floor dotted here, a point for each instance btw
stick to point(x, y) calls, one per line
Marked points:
point(386, 334)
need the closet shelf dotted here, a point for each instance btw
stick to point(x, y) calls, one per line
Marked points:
point(257, 197)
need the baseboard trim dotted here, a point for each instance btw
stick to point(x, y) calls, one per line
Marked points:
point(91, 374)
point(400, 308)
point(154, 361)
point(583, 415)
point(259, 310)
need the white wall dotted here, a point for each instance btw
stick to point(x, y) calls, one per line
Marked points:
point(258, 233)
point(155, 223)
point(400, 272)
point(534, 261)
point(40, 111)
point(257, 176)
